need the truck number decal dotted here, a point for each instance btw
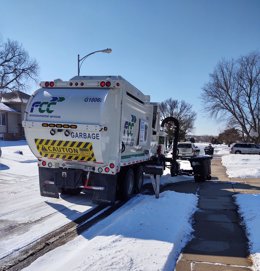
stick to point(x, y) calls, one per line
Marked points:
point(93, 100)
point(46, 107)
point(67, 150)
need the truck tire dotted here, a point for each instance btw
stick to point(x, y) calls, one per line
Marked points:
point(139, 178)
point(128, 183)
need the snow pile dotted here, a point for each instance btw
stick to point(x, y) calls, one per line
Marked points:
point(18, 159)
point(249, 208)
point(242, 165)
point(25, 215)
point(221, 149)
point(145, 234)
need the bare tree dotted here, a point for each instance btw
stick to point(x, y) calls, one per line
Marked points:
point(232, 94)
point(16, 67)
point(182, 111)
point(229, 136)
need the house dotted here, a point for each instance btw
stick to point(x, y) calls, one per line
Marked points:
point(12, 107)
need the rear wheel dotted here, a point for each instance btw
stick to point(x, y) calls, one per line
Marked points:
point(127, 184)
point(139, 178)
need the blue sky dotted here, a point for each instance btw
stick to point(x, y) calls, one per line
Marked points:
point(166, 48)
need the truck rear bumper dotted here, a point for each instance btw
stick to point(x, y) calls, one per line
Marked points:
point(101, 187)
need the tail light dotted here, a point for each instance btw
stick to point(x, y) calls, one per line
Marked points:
point(105, 84)
point(112, 165)
point(49, 84)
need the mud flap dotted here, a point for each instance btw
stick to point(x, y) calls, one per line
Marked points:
point(107, 185)
point(47, 183)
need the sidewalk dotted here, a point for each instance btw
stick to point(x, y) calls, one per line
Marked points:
point(219, 242)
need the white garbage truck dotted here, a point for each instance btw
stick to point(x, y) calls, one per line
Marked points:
point(92, 134)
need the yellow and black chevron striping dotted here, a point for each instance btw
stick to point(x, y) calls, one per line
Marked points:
point(67, 150)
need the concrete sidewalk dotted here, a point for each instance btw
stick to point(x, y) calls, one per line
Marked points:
point(219, 241)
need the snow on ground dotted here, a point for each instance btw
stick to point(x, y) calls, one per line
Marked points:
point(219, 149)
point(249, 208)
point(247, 166)
point(145, 234)
point(242, 165)
point(25, 216)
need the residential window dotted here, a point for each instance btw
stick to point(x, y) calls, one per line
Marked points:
point(2, 119)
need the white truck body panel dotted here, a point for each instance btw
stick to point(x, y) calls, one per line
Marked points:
point(113, 125)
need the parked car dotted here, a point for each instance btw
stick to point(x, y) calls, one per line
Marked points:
point(245, 148)
point(187, 149)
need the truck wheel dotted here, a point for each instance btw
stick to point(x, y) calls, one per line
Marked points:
point(128, 184)
point(139, 178)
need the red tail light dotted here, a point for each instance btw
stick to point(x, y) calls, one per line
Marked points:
point(102, 83)
point(49, 84)
point(105, 84)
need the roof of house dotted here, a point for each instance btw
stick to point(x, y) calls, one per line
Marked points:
point(5, 108)
point(14, 97)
